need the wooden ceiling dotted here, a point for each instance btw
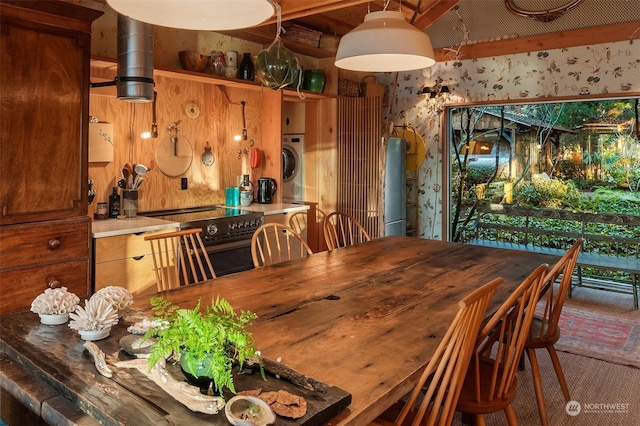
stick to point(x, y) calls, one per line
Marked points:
point(338, 17)
point(341, 16)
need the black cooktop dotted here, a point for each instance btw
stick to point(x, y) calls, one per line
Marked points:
point(194, 214)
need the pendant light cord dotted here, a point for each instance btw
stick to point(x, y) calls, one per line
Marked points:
point(279, 29)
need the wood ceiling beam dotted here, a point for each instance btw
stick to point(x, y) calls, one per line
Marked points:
point(433, 13)
point(583, 37)
point(294, 9)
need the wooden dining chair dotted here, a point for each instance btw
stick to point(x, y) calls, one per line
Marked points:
point(446, 369)
point(180, 252)
point(545, 331)
point(343, 230)
point(490, 384)
point(273, 243)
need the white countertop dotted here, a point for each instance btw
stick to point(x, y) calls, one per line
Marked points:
point(141, 223)
point(130, 225)
point(275, 208)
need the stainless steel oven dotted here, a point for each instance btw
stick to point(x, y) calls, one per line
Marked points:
point(226, 233)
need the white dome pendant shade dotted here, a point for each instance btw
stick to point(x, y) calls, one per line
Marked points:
point(196, 14)
point(385, 42)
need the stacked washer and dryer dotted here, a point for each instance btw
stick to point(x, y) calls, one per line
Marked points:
point(293, 168)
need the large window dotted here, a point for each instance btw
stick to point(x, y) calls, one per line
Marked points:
point(574, 155)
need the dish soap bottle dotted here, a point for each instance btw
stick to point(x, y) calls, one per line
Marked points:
point(114, 203)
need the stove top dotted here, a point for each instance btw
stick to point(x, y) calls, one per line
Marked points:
point(190, 216)
point(218, 223)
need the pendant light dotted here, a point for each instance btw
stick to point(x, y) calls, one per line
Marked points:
point(196, 14)
point(385, 42)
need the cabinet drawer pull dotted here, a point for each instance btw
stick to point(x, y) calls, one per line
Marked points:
point(138, 257)
point(55, 243)
point(53, 283)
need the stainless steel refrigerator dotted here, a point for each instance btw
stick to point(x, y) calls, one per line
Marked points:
point(395, 188)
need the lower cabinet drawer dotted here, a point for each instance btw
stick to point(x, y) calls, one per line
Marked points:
point(135, 274)
point(44, 242)
point(124, 246)
point(21, 286)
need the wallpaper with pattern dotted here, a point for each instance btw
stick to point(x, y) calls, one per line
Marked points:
point(611, 68)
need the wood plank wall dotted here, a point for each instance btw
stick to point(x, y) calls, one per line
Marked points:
point(360, 162)
point(217, 123)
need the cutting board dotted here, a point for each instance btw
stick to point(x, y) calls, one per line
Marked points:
point(174, 156)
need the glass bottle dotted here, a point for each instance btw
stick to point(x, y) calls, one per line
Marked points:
point(216, 65)
point(246, 68)
point(114, 203)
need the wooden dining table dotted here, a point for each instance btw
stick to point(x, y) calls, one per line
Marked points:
point(365, 319)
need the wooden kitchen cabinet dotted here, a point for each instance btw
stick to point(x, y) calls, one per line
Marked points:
point(44, 72)
point(37, 256)
point(126, 261)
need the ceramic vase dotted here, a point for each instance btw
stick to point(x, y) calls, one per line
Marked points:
point(197, 372)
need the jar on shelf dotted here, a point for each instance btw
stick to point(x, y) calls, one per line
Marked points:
point(246, 68)
point(313, 80)
point(217, 62)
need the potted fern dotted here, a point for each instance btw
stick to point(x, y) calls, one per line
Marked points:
point(209, 342)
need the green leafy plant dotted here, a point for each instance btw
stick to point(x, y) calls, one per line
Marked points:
point(552, 193)
point(216, 332)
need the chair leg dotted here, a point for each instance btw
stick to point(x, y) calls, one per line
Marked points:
point(558, 368)
point(480, 421)
point(512, 419)
point(521, 365)
point(537, 384)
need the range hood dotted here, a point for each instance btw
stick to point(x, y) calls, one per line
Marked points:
point(134, 75)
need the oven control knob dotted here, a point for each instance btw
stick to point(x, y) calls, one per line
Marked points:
point(232, 225)
point(212, 229)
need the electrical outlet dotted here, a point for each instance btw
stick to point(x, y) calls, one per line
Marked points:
point(184, 183)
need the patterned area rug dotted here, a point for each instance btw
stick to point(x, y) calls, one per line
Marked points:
point(601, 325)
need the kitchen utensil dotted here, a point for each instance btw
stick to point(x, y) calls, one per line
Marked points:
point(255, 156)
point(207, 156)
point(137, 182)
point(140, 169)
point(174, 155)
point(267, 188)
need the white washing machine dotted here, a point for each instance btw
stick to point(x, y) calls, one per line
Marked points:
point(292, 167)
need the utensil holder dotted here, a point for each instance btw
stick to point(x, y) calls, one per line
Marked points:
point(130, 202)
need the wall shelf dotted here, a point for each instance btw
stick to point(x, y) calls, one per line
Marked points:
point(104, 69)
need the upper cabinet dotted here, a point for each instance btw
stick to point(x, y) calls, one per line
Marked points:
point(44, 109)
point(44, 229)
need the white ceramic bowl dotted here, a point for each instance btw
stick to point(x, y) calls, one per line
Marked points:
point(244, 410)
